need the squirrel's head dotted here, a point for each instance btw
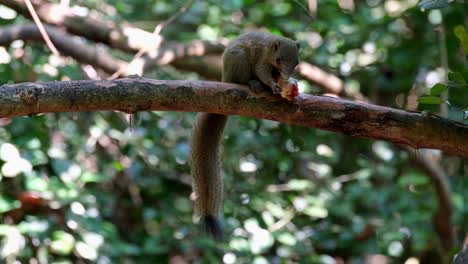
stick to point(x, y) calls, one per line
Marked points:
point(285, 55)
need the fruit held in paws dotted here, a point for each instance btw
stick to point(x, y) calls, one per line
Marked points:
point(289, 88)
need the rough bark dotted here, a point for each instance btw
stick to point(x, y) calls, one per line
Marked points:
point(418, 130)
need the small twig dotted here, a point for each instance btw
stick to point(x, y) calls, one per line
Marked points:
point(278, 188)
point(346, 177)
point(288, 216)
point(41, 28)
point(156, 34)
point(182, 10)
point(305, 9)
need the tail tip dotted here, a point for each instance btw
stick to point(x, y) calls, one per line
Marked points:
point(213, 227)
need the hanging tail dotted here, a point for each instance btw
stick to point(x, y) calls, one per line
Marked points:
point(207, 134)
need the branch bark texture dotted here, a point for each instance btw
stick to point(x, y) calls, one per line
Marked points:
point(139, 94)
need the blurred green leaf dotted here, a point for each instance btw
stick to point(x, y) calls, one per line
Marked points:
point(118, 166)
point(456, 77)
point(430, 100)
point(94, 177)
point(413, 179)
point(300, 185)
point(287, 239)
point(8, 204)
point(36, 184)
point(62, 243)
point(434, 4)
point(461, 34)
point(316, 212)
point(438, 89)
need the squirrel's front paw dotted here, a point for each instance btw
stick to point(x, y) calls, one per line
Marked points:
point(256, 86)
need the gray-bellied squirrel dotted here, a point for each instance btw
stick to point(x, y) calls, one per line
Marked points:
point(257, 59)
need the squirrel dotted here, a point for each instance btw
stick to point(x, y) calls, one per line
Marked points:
point(258, 60)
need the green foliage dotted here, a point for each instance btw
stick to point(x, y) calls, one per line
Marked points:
point(438, 89)
point(85, 187)
point(462, 36)
point(430, 100)
point(434, 4)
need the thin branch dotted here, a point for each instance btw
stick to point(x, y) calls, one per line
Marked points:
point(330, 82)
point(131, 95)
point(442, 219)
point(182, 10)
point(287, 217)
point(312, 7)
point(41, 28)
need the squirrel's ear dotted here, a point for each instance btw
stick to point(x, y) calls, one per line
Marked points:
point(298, 45)
point(276, 45)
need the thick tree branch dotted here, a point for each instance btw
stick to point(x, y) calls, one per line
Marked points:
point(67, 44)
point(328, 81)
point(82, 52)
point(209, 66)
point(138, 94)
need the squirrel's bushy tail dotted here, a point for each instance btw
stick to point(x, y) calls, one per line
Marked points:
point(207, 134)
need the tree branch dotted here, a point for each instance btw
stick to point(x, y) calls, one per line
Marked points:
point(330, 82)
point(442, 219)
point(138, 94)
point(92, 27)
point(69, 45)
point(82, 52)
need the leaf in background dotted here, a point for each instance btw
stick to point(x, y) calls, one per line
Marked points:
point(461, 34)
point(430, 100)
point(434, 4)
point(456, 77)
point(62, 243)
point(287, 239)
point(7, 204)
point(300, 185)
point(316, 211)
point(413, 179)
point(34, 226)
point(438, 89)
point(465, 74)
point(36, 184)
point(94, 177)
